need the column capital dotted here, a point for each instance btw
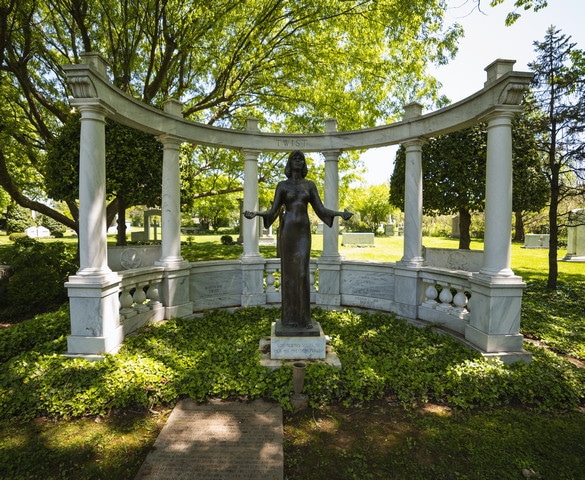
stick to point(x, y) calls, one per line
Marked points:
point(331, 155)
point(502, 114)
point(414, 144)
point(250, 154)
point(93, 108)
point(169, 140)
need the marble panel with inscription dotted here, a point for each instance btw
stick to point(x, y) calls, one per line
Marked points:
point(367, 281)
point(215, 287)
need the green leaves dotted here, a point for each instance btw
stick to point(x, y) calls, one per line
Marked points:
point(217, 355)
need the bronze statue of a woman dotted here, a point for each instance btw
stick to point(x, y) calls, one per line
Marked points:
point(294, 195)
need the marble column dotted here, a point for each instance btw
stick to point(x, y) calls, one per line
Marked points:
point(171, 203)
point(496, 293)
point(250, 227)
point(93, 252)
point(93, 291)
point(252, 263)
point(413, 195)
point(175, 287)
point(331, 197)
point(329, 262)
point(498, 194)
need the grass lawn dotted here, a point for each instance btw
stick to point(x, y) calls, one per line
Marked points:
point(447, 414)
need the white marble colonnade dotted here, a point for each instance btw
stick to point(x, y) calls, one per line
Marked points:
point(496, 292)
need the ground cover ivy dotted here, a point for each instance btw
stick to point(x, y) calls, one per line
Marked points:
point(217, 355)
point(556, 317)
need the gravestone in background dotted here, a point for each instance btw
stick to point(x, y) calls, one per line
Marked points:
point(576, 236)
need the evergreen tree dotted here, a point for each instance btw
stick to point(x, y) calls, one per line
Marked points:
point(556, 109)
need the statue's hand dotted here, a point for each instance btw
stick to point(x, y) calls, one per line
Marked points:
point(346, 215)
point(249, 214)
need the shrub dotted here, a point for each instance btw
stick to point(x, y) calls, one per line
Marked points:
point(56, 228)
point(40, 271)
point(13, 237)
point(227, 240)
point(18, 219)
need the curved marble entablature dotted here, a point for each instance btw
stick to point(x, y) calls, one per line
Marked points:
point(503, 90)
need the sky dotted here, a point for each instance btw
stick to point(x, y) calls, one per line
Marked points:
point(486, 39)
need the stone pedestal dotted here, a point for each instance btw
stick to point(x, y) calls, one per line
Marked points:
point(95, 319)
point(175, 291)
point(298, 347)
point(494, 325)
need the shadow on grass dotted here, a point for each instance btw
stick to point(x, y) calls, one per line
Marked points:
point(111, 447)
point(382, 440)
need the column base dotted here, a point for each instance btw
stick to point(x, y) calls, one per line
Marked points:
point(94, 348)
point(179, 311)
point(494, 342)
point(507, 348)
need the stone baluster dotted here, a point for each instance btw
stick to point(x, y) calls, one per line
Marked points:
point(126, 302)
point(431, 294)
point(140, 298)
point(271, 269)
point(152, 294)
point(460, 301)
point(445, 297)
point(312, 276)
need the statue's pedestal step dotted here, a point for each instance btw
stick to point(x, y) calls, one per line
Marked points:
point(298, 347)
point(277, 350)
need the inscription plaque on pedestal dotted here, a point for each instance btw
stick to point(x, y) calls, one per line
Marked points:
point(298, 348)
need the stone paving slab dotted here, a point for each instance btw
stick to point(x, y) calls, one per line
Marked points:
point(219, 440)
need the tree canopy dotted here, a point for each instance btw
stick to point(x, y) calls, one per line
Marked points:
point(289, 63)
point(453, 177)
point(454, 167)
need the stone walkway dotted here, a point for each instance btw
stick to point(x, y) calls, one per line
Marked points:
point(218, 440)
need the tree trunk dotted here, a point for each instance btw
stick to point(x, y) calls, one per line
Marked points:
point(553, 267)
point(518, 227)
point(121, 236)
point(13, 190)
point(464, 227)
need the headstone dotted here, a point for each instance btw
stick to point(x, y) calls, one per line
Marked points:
point(576, 236)
point(536, 240)
point(152, 227)
point(357, 238)
point(389, 229)
point(37, 232)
